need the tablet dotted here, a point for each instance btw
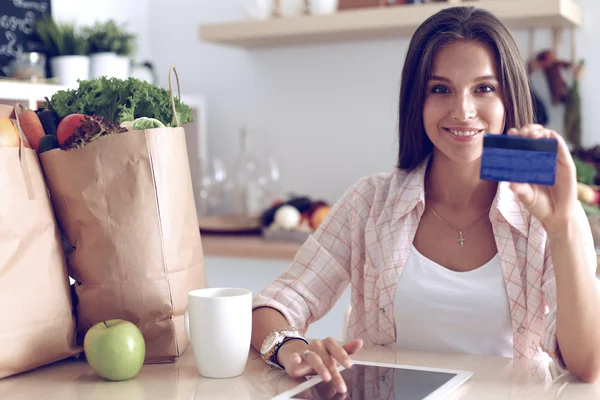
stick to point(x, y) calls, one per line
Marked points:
point(370, 380)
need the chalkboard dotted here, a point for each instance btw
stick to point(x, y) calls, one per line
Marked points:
point(17, 28)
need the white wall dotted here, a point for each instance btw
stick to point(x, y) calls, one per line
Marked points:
point(326, 112)
point(86, 12)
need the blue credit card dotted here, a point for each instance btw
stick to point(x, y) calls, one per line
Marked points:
point(518, 159)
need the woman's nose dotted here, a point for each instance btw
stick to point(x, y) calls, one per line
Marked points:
point(464, 108)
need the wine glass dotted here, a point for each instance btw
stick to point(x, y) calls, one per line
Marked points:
point(211, 186)
point(270, 181)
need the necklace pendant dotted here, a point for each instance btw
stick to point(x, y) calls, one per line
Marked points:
point(461, 239)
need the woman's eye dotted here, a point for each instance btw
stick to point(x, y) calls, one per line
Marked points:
point(486, 88)
point(439, 89)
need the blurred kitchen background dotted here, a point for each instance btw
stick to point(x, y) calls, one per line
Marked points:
point(312, 117)
point(325, 113)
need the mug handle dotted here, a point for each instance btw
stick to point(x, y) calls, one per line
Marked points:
point(186, 323)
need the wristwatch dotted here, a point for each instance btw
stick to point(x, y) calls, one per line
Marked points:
point(274, 340)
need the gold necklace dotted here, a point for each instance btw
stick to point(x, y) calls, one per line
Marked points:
point(461, 238)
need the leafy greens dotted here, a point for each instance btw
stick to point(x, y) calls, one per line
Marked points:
point(120, 101)
point(92, 127)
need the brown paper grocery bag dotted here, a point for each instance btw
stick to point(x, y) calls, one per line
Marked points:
point(38, 325)
point(125, 203)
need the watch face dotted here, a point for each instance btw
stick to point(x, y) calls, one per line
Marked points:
point(269, 342)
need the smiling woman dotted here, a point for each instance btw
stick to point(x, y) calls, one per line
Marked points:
point(439, 259)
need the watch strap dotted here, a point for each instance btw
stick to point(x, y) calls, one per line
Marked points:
point(287, 339)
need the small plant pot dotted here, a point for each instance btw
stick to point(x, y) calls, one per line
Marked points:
point(110, 65)
point(68, 69)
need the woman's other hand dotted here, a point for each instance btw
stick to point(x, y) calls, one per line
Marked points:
point(320, 356)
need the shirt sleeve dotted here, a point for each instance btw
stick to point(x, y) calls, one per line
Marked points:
point(320, 271)
point(550, 343)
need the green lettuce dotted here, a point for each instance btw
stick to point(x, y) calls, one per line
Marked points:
point(146, 123)
point(120, 101)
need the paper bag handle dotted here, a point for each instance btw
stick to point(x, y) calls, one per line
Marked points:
point(22, 157)
point(171, 71)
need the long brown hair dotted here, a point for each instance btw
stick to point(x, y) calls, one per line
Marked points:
point(448, 25)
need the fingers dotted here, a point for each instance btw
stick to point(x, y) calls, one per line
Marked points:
point(533, 131)
point(353, 346)
point(524, 192)
point(335, 353)
point(563, 153)
point(526, 127)
point(314, 360)
point(320, 356)
point(536, 131)
point(338, 353)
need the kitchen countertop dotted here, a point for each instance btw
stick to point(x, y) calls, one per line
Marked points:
point(494, 378)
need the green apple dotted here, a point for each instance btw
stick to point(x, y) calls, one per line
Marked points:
point(115, 349)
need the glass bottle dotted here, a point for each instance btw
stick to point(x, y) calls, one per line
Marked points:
point(248, 193)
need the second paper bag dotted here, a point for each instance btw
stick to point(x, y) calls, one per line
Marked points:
point(38, 326)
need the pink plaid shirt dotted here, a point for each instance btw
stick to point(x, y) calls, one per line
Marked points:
point(365, 241)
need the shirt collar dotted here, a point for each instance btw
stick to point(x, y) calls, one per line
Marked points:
point(410, 187)
point(506, 206)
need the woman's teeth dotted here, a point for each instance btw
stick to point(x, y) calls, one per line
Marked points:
point(463, 133)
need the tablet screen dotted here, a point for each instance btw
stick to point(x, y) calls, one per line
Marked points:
point(376, 382)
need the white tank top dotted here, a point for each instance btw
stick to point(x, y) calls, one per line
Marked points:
point(437, 309)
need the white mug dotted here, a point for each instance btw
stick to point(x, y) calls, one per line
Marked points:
point(218, 323)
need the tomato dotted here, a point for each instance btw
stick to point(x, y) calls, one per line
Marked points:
point(66, 127)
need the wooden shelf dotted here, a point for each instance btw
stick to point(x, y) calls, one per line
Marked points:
point(384, 22)
point(240, 246)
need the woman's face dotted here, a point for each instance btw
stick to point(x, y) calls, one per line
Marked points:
point(463, 100)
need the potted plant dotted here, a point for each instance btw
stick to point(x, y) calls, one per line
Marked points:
point(111, 47)
point(67, 50)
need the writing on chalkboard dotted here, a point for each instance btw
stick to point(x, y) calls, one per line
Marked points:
point(12, 25)
point(40, 6)
point(17, 28)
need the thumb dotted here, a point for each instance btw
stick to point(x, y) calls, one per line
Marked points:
point(296, 358)
point(353, 346)
point(294, 365)
point(524, 192)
